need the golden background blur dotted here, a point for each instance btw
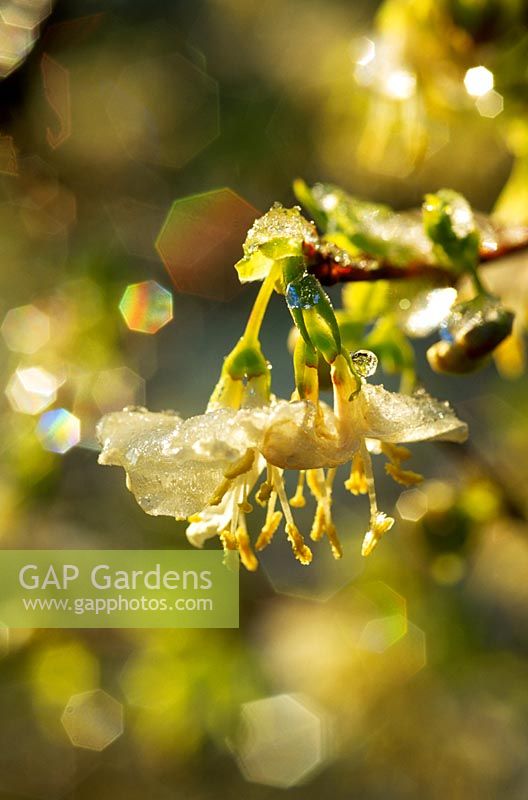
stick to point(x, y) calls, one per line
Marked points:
point(138, 142)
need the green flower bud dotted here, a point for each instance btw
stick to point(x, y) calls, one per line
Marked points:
point(305, 364)
point(471, 333)
point(245, 378)
point(313, 314)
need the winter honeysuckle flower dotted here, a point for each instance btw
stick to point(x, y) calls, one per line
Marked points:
point(212, 469)
point(174, 466)
point(203, 469)
point(310, 438)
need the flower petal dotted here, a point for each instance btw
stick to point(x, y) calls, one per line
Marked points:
point(173, 466)
point(213, 520)
point(299, 436)
point(394, 417)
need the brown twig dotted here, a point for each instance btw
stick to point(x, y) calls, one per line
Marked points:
point(329, 266)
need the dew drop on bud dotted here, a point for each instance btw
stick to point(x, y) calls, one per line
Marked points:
point(365, 362)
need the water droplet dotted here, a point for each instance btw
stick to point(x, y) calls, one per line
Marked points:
point(365, 362)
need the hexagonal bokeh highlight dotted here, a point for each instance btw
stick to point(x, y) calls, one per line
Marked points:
point(15, 44)
point(25, 329)
point(490, 104)
point(58, 430)
point(386, 600)
point(117, 388)
point(201, 239)
point(281, 741)
point(381, 633)
point(164, 110)
point(411, 650)
point(31, 390)
point(146, 307)
point(93, 720)
point(26, 14)
point(391, 654)
point(412, 505)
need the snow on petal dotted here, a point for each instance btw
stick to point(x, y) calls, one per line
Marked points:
point(392, 417)
point(173, 467)
point(300, 436)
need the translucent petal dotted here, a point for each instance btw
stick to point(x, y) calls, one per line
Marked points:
point(173, 466)
point(300, 437)
point(393, 417)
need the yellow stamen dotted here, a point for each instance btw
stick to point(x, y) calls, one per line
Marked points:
point(219, 492)
point(247, 556)
point(322, 523)
point(265, 489)
point(268, 530)
point(404, 476)
point(300, 550)
point(228, 540)
point(395, 452)
point(319, 523)
point(241, 466)
point(298, 500)
point(263, 493)
point(237, 469)
point(315, 484)
point(369, 480)
point(379, 525)
point(335, 544)
point(357, 482)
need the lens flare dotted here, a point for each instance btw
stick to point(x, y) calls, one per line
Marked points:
point(58, 430)
point(146, 307)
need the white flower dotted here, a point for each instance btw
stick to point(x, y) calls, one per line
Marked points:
point(174, 466)
point(365, 417)
point(205, 468)
point(300, 436)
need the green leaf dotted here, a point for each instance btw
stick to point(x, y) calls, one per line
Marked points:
point(359, 226)
point(449, 222)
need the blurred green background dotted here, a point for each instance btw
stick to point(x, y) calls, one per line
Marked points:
point(126, 123)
